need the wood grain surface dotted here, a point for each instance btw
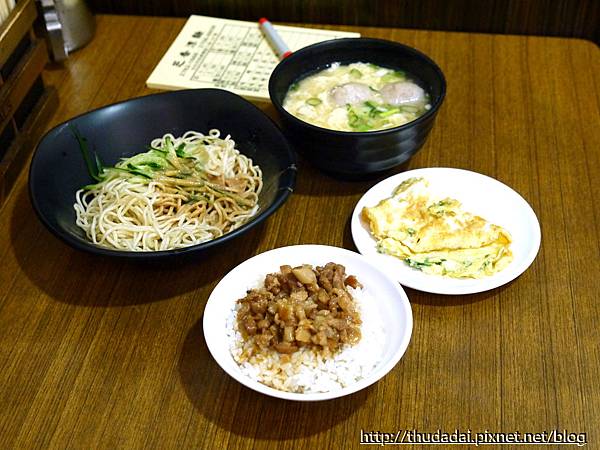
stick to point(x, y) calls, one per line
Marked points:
point(103, 354)
point(574, 18)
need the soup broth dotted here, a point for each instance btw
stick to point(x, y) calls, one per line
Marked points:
point(357, 97)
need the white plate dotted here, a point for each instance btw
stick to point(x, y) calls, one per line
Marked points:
point(479, 194)
point(394, 309)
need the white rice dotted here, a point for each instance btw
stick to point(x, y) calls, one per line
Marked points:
point(309, 371)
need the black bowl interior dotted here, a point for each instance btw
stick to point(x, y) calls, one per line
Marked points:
point(383, 53)
point(121, 130)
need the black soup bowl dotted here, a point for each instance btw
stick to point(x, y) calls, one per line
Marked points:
point(357, 154)
point(123, 129)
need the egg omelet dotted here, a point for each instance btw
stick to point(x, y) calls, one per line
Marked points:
point(435, 235)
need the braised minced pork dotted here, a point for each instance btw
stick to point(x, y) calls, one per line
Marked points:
point(301, 307)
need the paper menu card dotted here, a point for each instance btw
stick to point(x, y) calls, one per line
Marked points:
point(228, 54)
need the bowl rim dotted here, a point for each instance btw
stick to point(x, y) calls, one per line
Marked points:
point(335, 42)
point(282, 194)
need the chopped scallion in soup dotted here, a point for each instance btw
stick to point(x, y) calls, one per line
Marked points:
point(357, 97)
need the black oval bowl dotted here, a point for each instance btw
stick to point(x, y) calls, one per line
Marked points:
point(356, 154)
point(123, 129)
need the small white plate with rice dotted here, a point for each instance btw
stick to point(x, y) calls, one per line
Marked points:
point(385, 329)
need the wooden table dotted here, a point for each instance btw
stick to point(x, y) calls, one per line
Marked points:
point(96, 353)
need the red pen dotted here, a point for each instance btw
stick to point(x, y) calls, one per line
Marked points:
point(281, 49)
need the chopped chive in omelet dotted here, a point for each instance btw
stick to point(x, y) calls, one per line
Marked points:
point(435, 235)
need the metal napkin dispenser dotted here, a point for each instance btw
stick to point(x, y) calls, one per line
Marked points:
point(69, 24)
